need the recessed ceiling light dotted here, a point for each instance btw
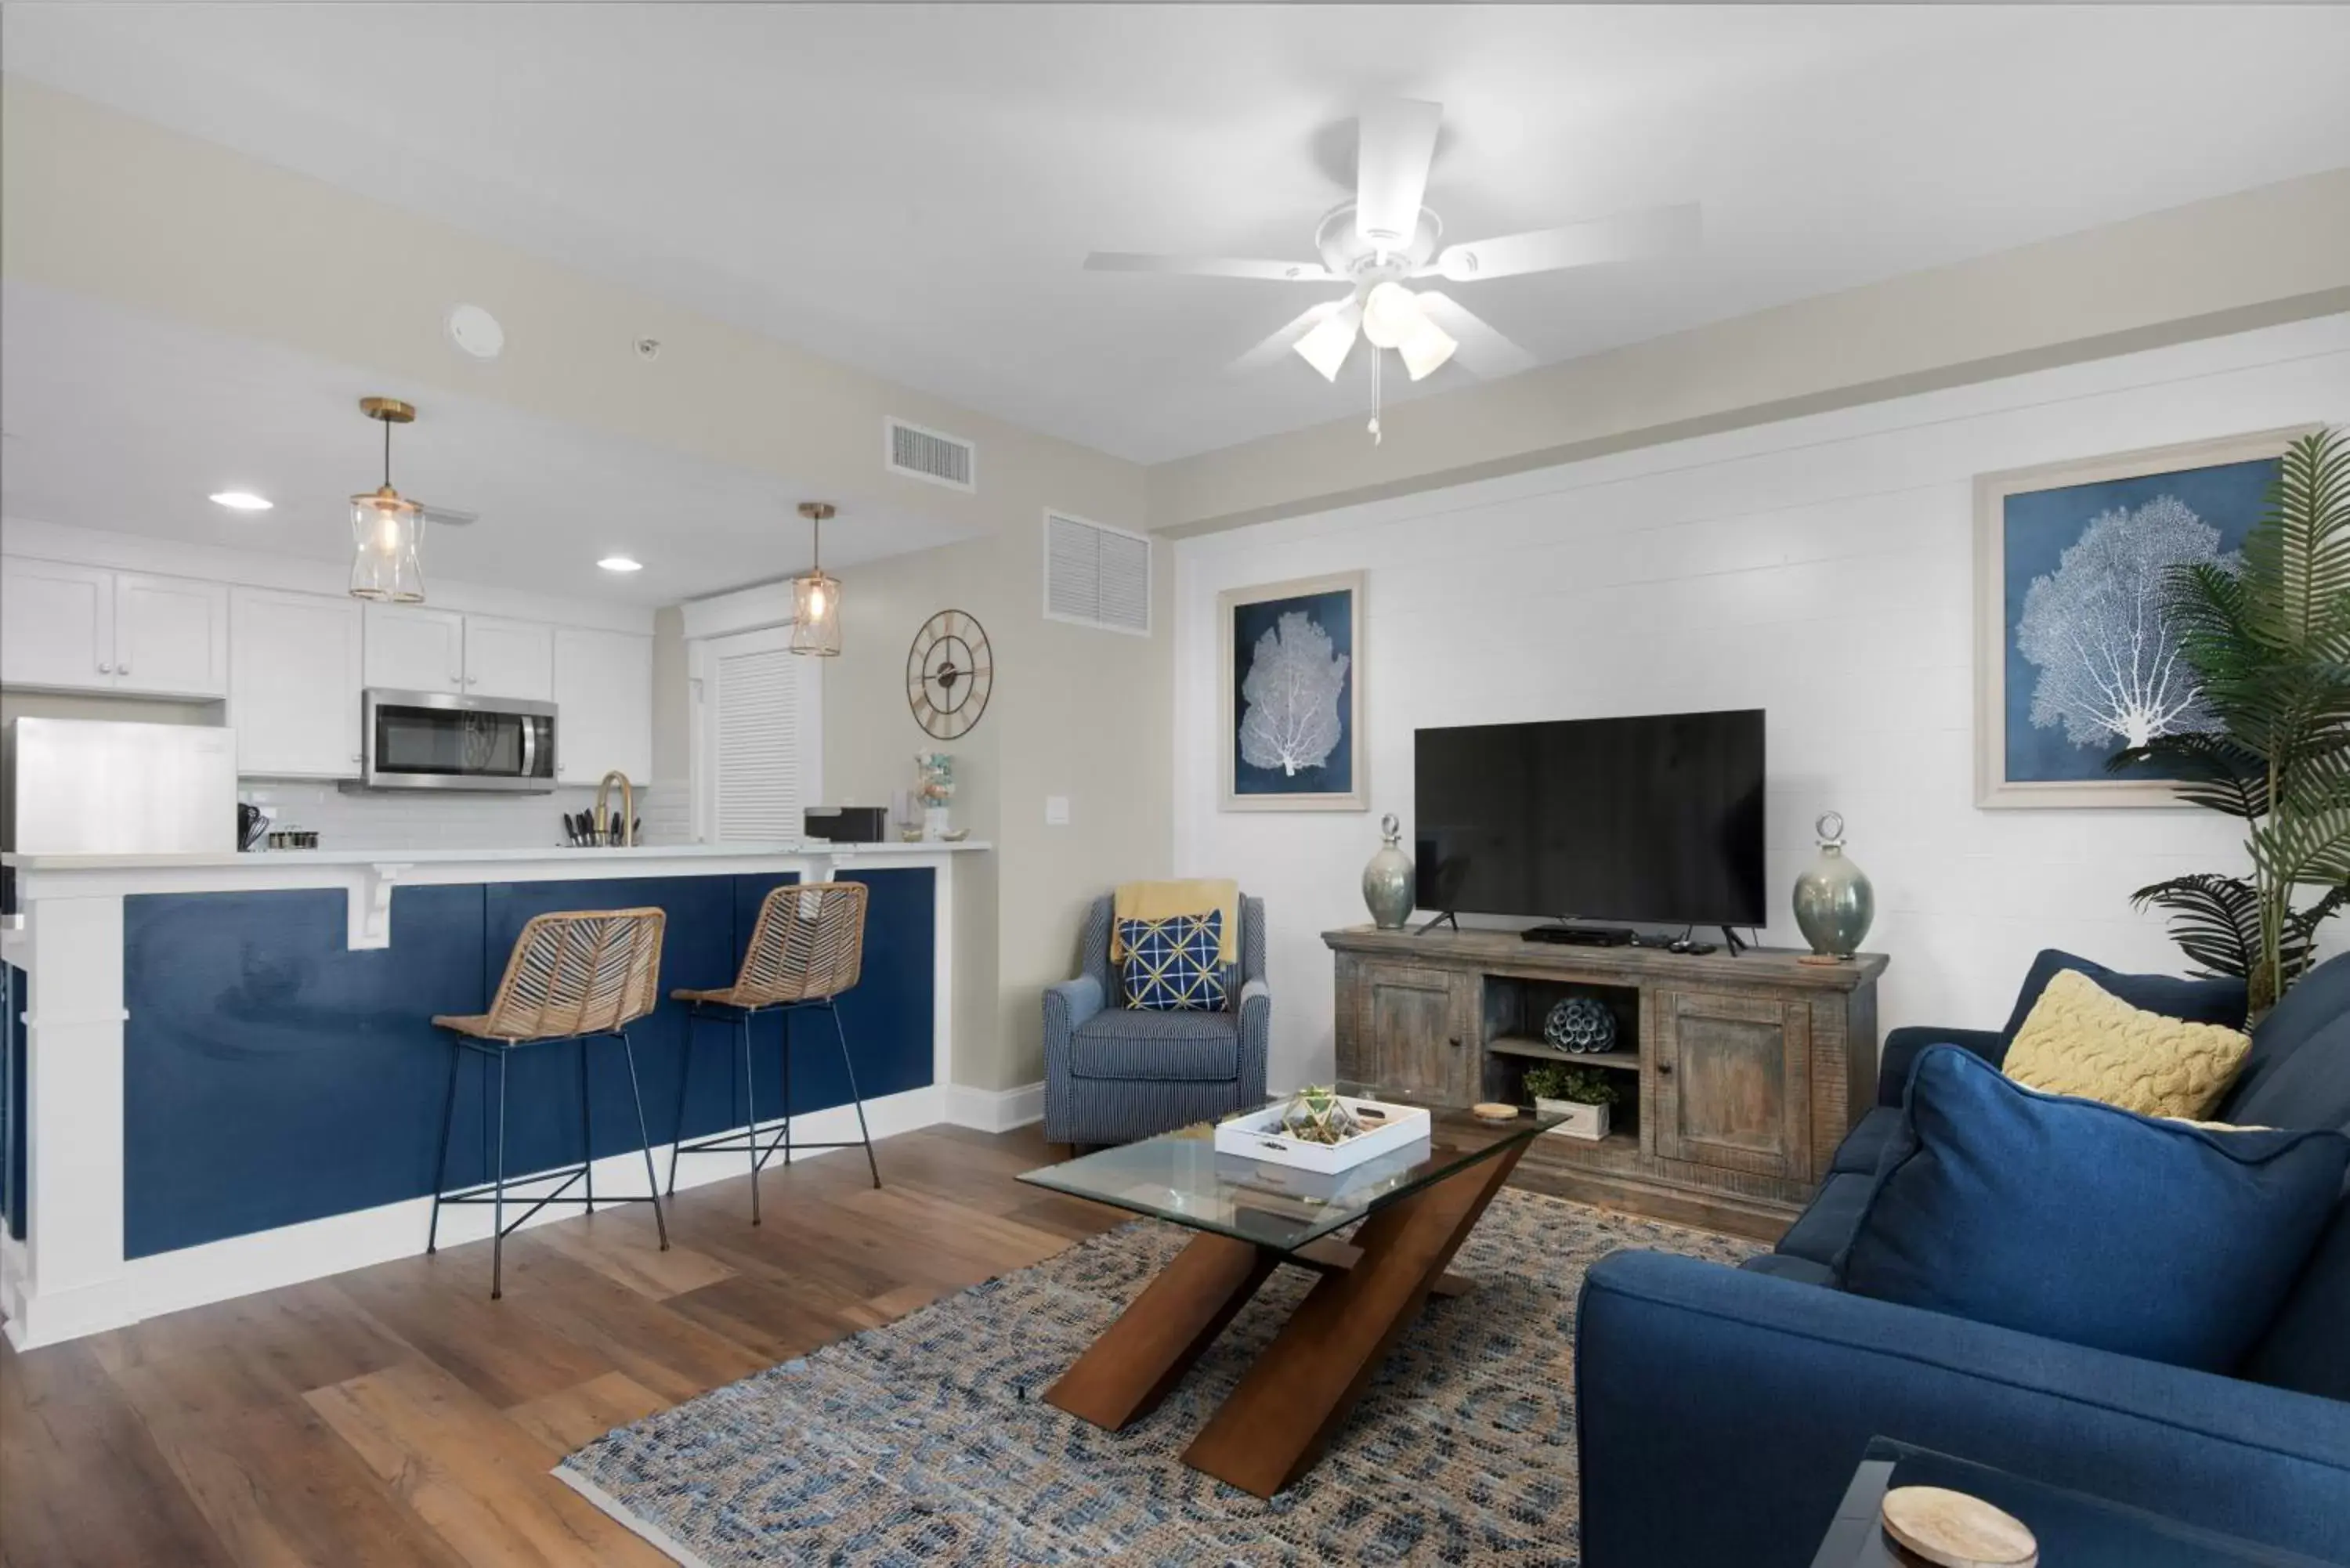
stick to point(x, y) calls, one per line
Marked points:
point(241, 501)
point(620, 564)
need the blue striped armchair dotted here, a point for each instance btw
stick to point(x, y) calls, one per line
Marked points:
point(1115, 1074)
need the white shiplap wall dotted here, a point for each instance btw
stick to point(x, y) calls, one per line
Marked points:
point(1820, 568)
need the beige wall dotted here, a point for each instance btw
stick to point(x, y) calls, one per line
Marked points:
point(1075, 711)
point(2278, 253)
point(869, 742)
point(1088, 717)
point(672, 712)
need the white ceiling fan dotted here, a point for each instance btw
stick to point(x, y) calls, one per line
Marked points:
point(1386, 236)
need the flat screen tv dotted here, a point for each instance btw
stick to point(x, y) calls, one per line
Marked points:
point(1657, 818)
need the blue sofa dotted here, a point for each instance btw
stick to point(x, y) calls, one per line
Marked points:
point(1721, 1411)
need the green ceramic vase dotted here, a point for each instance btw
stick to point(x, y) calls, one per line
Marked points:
point(1834, 903)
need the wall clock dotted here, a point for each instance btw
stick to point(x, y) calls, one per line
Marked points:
point(949, 671)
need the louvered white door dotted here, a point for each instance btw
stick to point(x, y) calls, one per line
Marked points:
point(760, 719)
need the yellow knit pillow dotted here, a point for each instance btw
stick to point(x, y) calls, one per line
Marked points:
point(2081, 1039)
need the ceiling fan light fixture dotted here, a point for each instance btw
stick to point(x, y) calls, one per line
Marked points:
point(1326, 347)
point(387, 528)
point(1390, 316)
point(1427, 349)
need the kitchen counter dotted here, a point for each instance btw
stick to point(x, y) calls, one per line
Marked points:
point(223, 1074)
point(280, 859)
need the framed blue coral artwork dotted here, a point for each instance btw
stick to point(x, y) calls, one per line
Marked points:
point(2074, 658)
point(1292, 694)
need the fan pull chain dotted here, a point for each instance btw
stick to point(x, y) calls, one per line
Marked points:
point(1376, 439)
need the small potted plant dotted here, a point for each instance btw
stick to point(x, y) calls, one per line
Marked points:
point(1581, 1095)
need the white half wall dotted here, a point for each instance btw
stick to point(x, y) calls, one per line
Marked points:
point(1819, 569)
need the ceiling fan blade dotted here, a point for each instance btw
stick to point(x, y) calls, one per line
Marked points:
point(1285, 338)
point(1483, 349)
point(1626, 237)
point(1211, 266)
point(1332, 339)
point(447, 517)
point(1397, 144)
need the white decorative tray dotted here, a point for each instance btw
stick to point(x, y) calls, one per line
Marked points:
point(1257, 1135)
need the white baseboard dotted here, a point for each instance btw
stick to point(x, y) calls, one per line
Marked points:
point(994, 1110)
point(290, 1254)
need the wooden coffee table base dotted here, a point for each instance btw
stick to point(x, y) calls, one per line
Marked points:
point(1288, 1405)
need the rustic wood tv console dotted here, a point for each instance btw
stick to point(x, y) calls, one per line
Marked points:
point(1749, 1070)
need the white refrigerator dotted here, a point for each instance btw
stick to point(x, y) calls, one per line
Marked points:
point(82, 786)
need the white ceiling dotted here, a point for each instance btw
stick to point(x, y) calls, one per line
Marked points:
point(128, 423)
point(910, 189)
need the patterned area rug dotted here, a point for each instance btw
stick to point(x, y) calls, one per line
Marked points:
point(929, 1441)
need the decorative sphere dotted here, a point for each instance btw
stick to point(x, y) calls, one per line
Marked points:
point(1581, 1024)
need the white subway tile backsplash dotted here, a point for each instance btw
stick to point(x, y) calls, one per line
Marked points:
point(439, 819)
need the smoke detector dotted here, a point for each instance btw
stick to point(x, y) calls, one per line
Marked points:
point(476, 331)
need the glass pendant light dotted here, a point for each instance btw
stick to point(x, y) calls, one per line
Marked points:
point(815, 597)
point(387, 530)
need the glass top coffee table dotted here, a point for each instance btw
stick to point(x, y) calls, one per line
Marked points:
point(1417, 1204)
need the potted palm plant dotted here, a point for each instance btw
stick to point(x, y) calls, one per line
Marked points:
point(1581, 1095)
point(2268, 641)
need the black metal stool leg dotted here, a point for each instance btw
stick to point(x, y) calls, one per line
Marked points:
point(498, 1203)
point(684, 1073)
point(857, 1098)
point(750, 1118)
point(485, 1056)
point(587, 1129)
point(448, 1128)
point(786, 1026)
point(644, 1134)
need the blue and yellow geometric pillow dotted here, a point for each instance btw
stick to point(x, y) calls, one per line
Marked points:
point(1175, 964)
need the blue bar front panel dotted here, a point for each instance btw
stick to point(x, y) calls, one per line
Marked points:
point(273, 1076)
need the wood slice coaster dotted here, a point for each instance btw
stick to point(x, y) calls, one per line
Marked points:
point(1823, 960)
point(1956, 1530)
point(1493, 1111)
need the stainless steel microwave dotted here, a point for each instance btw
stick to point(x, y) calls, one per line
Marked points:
point(438, 740)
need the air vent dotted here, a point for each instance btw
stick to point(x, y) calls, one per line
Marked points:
point(1096, 575)
point(929, 456)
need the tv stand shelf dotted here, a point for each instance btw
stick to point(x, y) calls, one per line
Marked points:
point(1748, 1069)
point(1536, 1050)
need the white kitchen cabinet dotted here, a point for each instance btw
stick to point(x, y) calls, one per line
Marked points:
point(56, 624)
point(171, 636)
point(297, 669)
point(509, 659)
point(413, 649)
point(85, 629)
point(604, 705)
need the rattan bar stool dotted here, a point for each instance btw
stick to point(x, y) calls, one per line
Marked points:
point(578, 977)
point(806, 950)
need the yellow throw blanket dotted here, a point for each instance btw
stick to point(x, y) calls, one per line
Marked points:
point(1157, 900)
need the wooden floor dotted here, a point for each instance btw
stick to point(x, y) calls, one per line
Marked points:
point(396, 1415)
